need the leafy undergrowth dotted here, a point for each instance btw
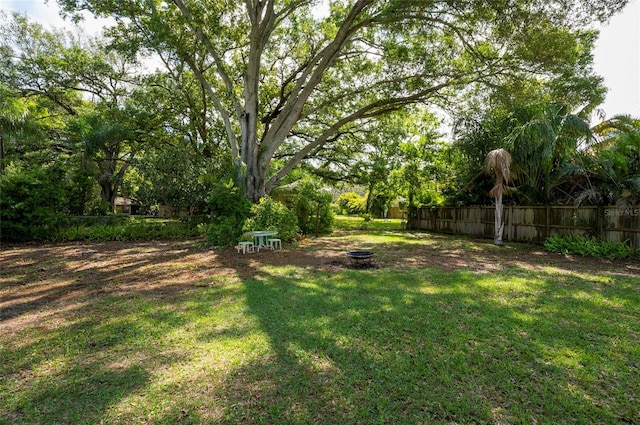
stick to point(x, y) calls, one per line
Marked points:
point(582, 245)
point(175, 333)
point(131, 231)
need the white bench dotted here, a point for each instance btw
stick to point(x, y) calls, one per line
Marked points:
point(273, 243)
point(245, 247)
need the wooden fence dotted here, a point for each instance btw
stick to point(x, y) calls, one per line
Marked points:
point(533, 223)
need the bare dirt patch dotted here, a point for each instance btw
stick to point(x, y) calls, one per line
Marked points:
point(38, 281)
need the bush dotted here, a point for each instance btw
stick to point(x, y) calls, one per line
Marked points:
point(194, 221)
point(366, 217)
point(229, 210)
point(227, 200)
point(352, 203)
point(272, 215)
point(224, 232)
point(31, 204)
point(312, 206)
point(96, 220)
point(131, 230)
point(589, 246)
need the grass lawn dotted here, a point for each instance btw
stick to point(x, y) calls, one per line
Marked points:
point(347, 223)
point(442, 331)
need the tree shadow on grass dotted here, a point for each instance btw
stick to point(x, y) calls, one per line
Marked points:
point(66, 275)
point(393, 345)
point(81, 394)
point(80, 372)
point(85, 339)
point(360, 347)
point(62, 377)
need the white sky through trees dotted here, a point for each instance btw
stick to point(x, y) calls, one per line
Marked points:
point(617, 59)
point(617, 52)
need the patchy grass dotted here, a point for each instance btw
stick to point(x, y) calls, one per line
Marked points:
point(441, 331)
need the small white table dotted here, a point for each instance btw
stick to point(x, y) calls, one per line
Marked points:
point(260, 237)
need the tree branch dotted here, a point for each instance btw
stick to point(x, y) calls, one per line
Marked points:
point(374, 109)
point(220, 66)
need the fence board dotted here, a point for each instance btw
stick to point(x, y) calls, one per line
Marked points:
point(534, 223)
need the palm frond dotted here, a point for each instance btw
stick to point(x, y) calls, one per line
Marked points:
point(591, 195)
point(499, 161)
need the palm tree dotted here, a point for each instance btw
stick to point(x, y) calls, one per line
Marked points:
point(612, 163)
point(498, 163)
point(543, 138)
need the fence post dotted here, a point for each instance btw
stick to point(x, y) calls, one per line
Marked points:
point(600, 222)
point(548, 225)
point(455, 220)
point(434, 219)
point(510, 228)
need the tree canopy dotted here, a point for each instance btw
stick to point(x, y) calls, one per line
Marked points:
point(267, 94)
point(281, 79)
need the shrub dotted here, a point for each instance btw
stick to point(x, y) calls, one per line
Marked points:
point(352, 203)
point(194, 221)
point(98, 208)
point(229, 210)
point(224, 232)
point(95, 220)
point(366, 217)
point(272, 215)
point(227, 200)
point(131, 230)
point(589, 246)
point(312, 206)
point(31, 204)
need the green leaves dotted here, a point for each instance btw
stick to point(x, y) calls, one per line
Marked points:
point(32, 203)
point(543, 138)
point(612, 161)
point(291, 82)
point(130, 230)
point(582, 245)
point(272, 215)
point(265, 86)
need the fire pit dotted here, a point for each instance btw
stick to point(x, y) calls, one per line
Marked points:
point(360, 258)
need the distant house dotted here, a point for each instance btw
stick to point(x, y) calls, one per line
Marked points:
point(124, 205)
point(397, 209)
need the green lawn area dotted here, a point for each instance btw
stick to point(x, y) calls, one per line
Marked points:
point(176, 333)
point(343, 222)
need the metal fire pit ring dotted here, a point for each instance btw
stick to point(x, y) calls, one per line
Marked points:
point(360, 258)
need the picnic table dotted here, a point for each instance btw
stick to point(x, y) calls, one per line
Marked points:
point(260, 237)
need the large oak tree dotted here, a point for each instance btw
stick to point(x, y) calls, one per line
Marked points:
point(282, 80)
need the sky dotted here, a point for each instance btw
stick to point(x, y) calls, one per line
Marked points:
point(617, 59)
point(616, 55)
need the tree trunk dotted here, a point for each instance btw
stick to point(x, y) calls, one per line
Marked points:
point(110, 182)
point(411, 211)
point(369, 198)
point(107, 192)
point(254, 182)
point(499, 223)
